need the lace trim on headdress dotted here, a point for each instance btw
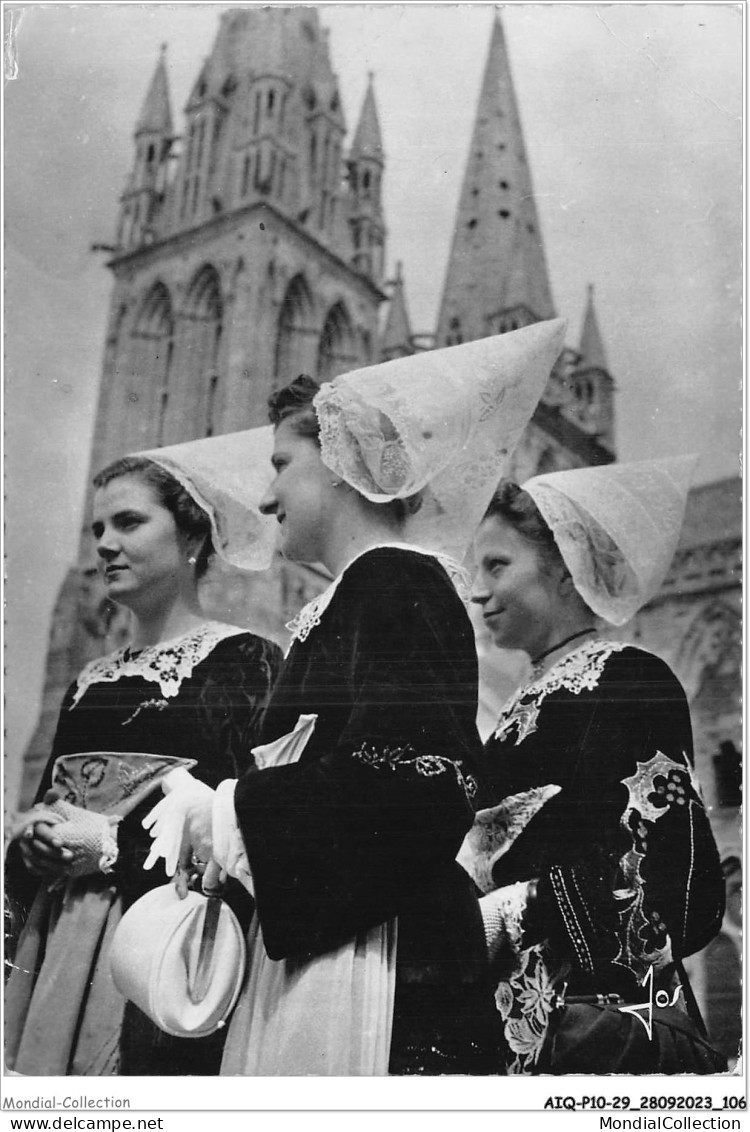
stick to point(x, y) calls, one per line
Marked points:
point(363, 444)
point(310, 615)
point(616, 527)
point(578, 671)
point(166, 664)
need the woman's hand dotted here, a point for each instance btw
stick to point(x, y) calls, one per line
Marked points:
point(60, 839)
point(180, 826)
point(42, 849)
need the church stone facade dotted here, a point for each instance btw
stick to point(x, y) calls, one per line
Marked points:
point(251, 246)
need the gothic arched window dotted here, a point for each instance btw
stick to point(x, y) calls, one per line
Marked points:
point(337, 349)
point(294, 328)
point(146, 388)
point(201, 329)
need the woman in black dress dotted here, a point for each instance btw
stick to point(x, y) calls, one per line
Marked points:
point(185, 688)
point(596, 854)
point(368, 953)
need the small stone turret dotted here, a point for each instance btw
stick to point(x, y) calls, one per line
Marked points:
point(141, 202)
point(365, 172)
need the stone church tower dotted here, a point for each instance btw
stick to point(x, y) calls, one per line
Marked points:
point(249, 249)
point(243, 256)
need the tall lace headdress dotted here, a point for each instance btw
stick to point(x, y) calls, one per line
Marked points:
point(616, 527)
point(227, 476)
point(442, 423)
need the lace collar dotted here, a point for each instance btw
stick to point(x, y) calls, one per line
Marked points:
point(167, 663)
point(309, 616)
point(579, 670)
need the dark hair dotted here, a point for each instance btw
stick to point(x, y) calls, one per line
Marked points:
point(191, 520)
point(514, 506)
point(295, 401)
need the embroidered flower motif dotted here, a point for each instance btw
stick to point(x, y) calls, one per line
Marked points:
point(92, 770)
point(656, 784)
point(522, 1038)
point(670, 789)
point(537, 996)
point(393, 758)
point(166, 664)
point(158, 704)
point(523, 718)
point(504, 999)
point(525, 1003)
point(490, 401)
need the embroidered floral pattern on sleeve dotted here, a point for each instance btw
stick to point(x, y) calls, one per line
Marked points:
point(166, 664)
point(658, 785)
point(397, 758)
point(579, 671)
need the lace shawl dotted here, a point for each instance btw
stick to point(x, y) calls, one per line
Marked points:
point(166, 664)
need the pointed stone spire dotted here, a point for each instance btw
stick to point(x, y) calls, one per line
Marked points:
point(497, 272)
point(365, 166)
point(367, 139)
point(156, 114)
point(591, 348)
point(397, 334)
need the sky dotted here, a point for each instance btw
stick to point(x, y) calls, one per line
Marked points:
point(632, 121)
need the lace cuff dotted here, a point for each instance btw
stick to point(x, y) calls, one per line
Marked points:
point(502, 912)
point(228, 846)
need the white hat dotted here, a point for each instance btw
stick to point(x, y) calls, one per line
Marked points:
point(616, 527)
point(181, 961)
point(227, 476)
point(442, 422)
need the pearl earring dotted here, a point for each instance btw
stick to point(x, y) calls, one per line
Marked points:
point(192, 560)
point(335, 483)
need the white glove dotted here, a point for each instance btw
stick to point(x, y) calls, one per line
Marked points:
point(180, 824)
